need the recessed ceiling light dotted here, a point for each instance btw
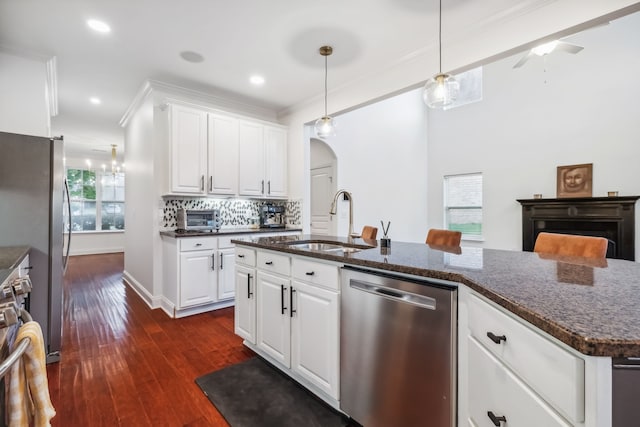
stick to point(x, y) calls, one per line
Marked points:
point(257, 80)
point(191, 56)
point(99, 26)
point(95, 100)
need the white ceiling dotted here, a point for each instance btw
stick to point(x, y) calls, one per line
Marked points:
point(278, 39)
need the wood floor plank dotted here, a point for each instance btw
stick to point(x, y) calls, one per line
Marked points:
point(123, 364)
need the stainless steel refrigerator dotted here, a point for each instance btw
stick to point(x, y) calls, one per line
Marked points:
point(32, 184)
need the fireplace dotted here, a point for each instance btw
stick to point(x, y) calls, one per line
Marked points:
point(609, 217)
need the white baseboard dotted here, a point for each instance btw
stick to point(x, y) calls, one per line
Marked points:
point(203, 308)
point(150, 300)
point(96, 251)
point(168, 307)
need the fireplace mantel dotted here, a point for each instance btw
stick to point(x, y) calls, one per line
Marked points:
point(610, 217)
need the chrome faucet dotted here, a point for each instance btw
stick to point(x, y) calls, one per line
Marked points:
point(349, 197)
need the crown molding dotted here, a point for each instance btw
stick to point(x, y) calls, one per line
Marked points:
point(196, 97)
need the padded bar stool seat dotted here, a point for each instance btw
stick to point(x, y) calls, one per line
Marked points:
point(571, 245)
point(443, 237)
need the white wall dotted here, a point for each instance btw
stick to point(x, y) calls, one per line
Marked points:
point(584, 108)
point(381, 152)
point(535, 21)
point(140, 241)
point(25, 96)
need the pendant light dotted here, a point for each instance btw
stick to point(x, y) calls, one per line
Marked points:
point(325, 125)
point(442, 89)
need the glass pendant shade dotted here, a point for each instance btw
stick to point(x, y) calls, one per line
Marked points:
point(325, 127)
point(440, 91)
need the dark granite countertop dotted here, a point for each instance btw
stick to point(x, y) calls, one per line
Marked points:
point(225, 232)
point(591, 306)
point(10, 258)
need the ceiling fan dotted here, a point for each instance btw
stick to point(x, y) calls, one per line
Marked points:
point(547, 48)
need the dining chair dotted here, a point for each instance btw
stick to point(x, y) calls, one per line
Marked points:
point(571, 245)
point(443, 237)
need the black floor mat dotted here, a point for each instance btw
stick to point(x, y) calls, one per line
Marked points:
point(254, 393)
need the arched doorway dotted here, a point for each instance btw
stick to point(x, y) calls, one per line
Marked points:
point(323, 165)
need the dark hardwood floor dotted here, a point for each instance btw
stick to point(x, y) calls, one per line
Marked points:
point(123, 364)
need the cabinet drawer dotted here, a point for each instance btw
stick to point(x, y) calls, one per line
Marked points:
point(198, 243)
point(274, 263)
point(245, 256)
point(553, 372)
point(315, 272)
point(494, 388)
point(224, 242)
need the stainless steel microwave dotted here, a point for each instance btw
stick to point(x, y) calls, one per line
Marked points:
point(207, 219)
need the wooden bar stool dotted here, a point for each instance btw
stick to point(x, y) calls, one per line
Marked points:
point(571, 245)
point(443, 237)
point(369, 232)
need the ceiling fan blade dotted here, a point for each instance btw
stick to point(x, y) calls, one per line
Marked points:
point(568, 47)
point(522, 60)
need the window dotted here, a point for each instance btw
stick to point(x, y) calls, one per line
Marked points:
point(112, 198)
point(96, 199)
point(463, 204)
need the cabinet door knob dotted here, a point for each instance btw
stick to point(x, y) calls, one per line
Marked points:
point(496, 338)
point(496, 420)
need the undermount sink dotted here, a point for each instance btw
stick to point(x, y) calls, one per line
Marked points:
point(327, 246)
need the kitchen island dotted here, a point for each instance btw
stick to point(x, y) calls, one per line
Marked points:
point(583, 314)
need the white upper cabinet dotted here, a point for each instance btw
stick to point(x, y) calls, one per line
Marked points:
point(275, 149)
point(188, 130)
point(263, 160)
point(223, 155)
point(251, 166)
point(219, 154)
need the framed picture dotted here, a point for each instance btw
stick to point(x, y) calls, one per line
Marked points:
point(575, 181)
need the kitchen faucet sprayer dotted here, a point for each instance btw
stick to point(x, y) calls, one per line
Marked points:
point(349, 197)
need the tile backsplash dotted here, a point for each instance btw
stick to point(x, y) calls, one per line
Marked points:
point(233, 212)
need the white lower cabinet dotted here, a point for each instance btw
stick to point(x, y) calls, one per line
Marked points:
point(245, 309)
point(315, 336)
point(513, 374)
point(198, 274)
point(297, 317)
point(498, 396)
point(197, 278)
point(273, 317)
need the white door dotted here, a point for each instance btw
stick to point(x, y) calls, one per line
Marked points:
point(322, 191)
point(197, 278)
point(245, 304)
point(275, 144)
point(188, 149)
point(251, 159)
point(226, 285)
point(315, 335)
point(223, 155)
point(273, 324)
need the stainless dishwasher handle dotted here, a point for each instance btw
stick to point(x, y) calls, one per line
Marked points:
point(395, 294)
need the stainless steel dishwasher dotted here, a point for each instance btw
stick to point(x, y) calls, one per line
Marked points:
point(398, 356)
